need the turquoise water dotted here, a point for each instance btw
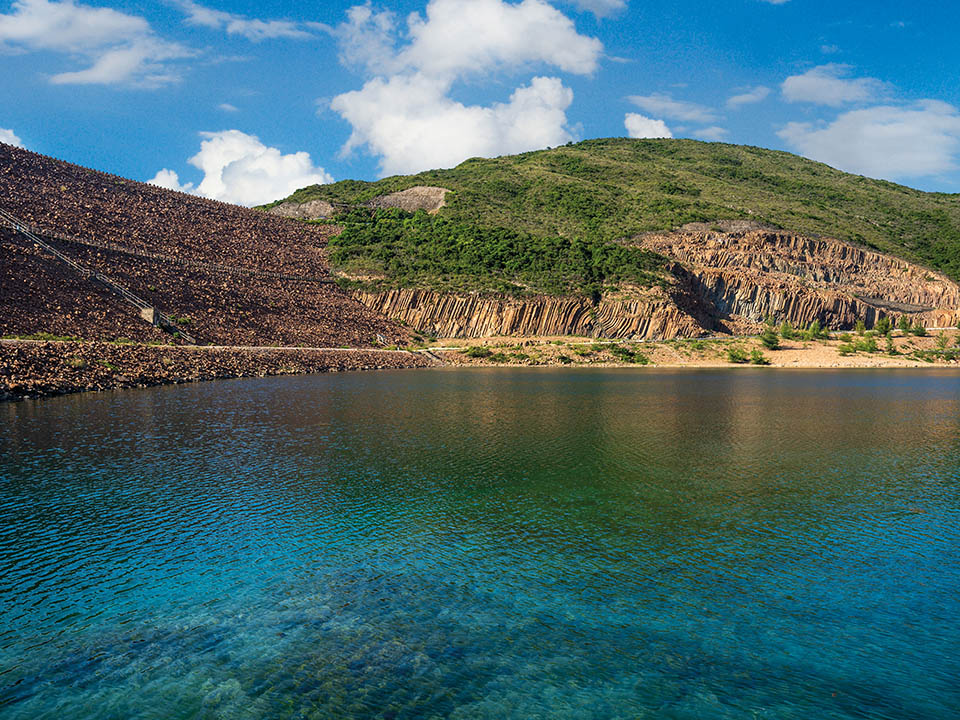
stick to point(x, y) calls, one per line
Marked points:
point(486, 544)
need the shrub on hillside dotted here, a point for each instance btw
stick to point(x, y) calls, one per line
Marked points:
point(770, 339)
point(758, 358)
point(737, 355)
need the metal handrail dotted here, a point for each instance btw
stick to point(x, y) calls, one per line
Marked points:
point(21, 227)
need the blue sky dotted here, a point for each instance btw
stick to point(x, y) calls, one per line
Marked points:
point(245, 101)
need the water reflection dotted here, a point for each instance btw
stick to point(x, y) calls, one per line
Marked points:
point(485, 544)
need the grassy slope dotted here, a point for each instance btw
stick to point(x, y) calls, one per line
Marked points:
point(614, 188)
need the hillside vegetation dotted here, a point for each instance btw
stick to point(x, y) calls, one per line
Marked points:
point(550, 221)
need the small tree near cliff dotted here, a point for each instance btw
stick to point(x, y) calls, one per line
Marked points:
point(770, 339)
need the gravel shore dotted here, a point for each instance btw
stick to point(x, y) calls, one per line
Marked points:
point(40, 369)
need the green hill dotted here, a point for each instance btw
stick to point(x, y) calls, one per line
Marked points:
point(550, 221)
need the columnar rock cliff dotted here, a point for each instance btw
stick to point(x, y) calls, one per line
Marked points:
point(652, 314)
point(755, 274)
point(722, 282)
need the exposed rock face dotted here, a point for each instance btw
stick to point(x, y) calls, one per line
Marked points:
point(754, 274)
point(313, 210)
point(421, 197)
point(650, 315)
point(724, 282)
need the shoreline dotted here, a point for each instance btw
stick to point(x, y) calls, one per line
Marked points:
point(33, 369)
point(40, 368)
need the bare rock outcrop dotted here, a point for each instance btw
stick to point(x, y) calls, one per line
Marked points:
point(421, 197)
point(312, 210)
point(752, 274)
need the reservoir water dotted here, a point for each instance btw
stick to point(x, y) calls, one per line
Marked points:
point(486, 544)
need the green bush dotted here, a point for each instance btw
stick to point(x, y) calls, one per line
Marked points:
point(770, 339)
point(815, 332)
point(757, 357)
point(903, 324)
point(883, 326)
point(737, 355)
point(854, 345)
point(919, 329)
point(477, 352)
point(629, 355)
point(860, 327)
point(787, 332)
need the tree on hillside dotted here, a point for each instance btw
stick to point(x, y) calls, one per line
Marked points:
point(770, 339)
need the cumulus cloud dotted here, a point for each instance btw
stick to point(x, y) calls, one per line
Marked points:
point(463, 37)
point(120, 48)
point(665, 106)
point(239, 168)
point(10, 138)
point(830, 85)
point(886, 141)
point(757, 94)
point(640, 126)
point(251, 29)
point(404, 112)
point(227, 107)
point(412, 124)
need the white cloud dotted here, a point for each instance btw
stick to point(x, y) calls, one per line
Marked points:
point(886, 142)
point(712, 134)
point(665, 106)
point(601, 8)
point(170, 180)
point(238, 168)
point(121, 48)
point(251, 29)
point(411, 123)
point(464, 37)
point(404, 112)
point(227, 107)
point(639, 126)
point(829, 85)
point(367, 39)
point(757, 94)
point(10, 138)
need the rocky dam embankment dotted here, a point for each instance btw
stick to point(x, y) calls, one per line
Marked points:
point(721, 282)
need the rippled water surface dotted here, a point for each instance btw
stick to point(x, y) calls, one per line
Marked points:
point(486, 544)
